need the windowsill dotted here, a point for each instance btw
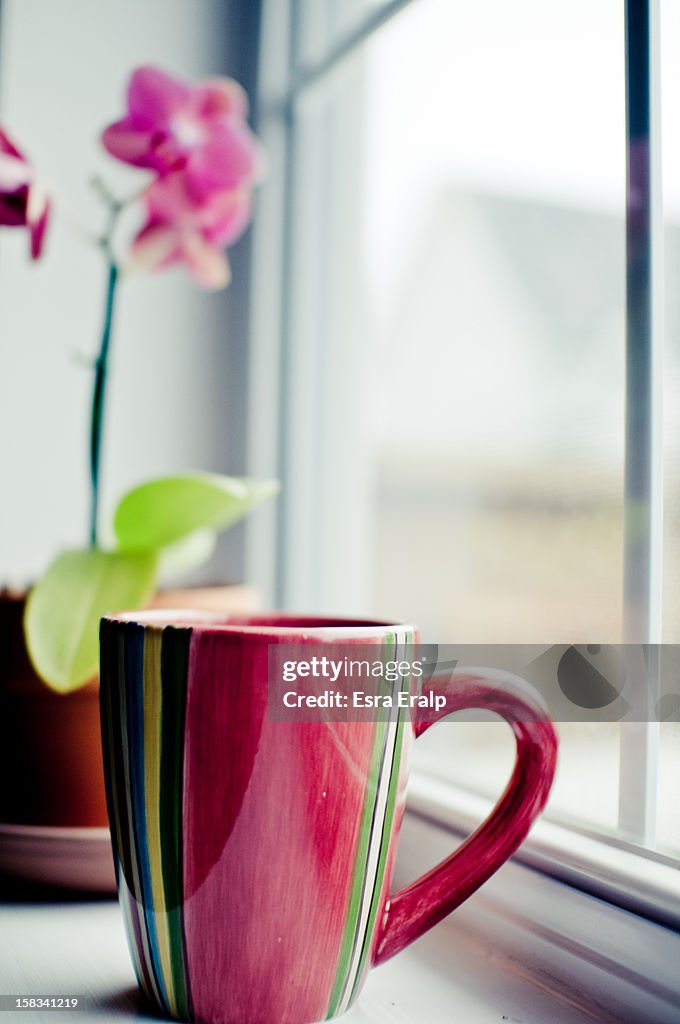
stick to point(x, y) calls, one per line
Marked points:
point(526, 948)
point(534, 949)
point(645, 883)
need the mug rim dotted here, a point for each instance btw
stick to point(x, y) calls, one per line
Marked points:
point(266, 623)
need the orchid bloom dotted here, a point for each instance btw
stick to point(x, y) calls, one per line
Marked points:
point(23, 201)
point(183, 229)
point(200, 129)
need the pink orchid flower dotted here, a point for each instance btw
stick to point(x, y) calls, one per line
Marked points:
point(23, 201)
point(183, 229)
point(201, 129)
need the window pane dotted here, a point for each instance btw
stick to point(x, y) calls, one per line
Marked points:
point(324, 23)
point(670, 111)
point(461, 265)
point(668, 825)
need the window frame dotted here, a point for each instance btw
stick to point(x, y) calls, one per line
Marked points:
point(280, 553)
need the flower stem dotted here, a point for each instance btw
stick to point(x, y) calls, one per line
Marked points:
point(99, 395)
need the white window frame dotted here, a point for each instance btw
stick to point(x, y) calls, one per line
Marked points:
point(280, 555)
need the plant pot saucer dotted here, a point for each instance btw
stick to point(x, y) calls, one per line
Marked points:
point(71, 859)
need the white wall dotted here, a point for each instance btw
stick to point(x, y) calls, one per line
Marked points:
point(62, 77)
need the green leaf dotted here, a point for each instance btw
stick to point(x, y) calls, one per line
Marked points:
point(162, 511)
point(63, 610)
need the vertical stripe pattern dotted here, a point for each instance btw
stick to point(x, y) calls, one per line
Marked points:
point(371, 859)
point(143, 697)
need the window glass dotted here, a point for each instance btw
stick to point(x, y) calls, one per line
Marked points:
point(322, 24)
point(670, 152)
point(458, 339)
point(668, 809)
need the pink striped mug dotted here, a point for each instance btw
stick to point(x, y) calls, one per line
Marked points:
point(254, 856)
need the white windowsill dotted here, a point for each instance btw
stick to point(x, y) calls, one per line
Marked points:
point(542, 950)
point(526, 948)
point(648, 885)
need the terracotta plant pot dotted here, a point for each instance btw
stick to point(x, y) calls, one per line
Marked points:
point(50, 744)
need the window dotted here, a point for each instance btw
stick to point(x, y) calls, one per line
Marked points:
point(452, 429)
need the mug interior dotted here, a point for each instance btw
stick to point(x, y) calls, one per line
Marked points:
point(264, 622)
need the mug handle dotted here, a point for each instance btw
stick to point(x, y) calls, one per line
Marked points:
point(422, 904)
